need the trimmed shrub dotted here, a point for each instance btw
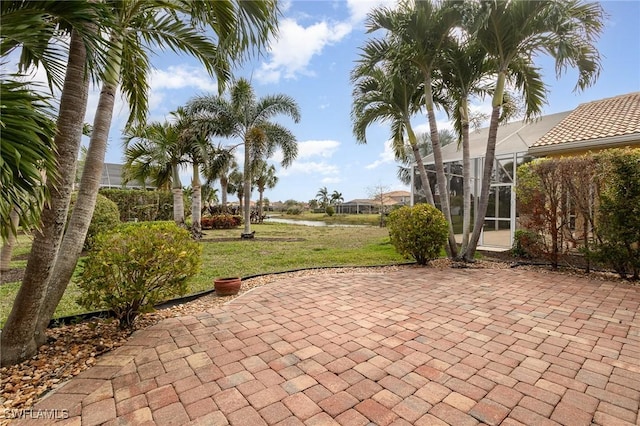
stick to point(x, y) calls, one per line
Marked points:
point(137, 266)
point(330, 211)
point(419, 232)
point(106, 217)
point(221, 221)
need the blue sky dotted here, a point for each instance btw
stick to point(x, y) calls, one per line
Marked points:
point(311, 61)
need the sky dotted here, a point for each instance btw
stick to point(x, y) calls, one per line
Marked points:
point(311, 61)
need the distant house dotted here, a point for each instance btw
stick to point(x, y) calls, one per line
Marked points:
point(369, 206)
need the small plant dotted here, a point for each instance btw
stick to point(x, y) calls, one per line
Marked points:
point(526, 244)
point(106, 216)
point(294, 211)
point(330, 211)
point(419, 232)
point(137, 266)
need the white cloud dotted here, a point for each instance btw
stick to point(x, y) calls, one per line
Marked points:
point(296, 45)
point(330, 180)
point(324, 148)
point(309, 167)
point(181, 76)
point(360, 8)
point(384, 157)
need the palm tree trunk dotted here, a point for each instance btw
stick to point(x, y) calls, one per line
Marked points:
point(178, 201)
point(260, 205)
point(489, 159)
point(19, 335)
point(8, 246)
point(247, 191)
point(196, 203)
point(224, 186)
point(451, 247)
point(466, 178)
point(84, 207)
point(424, 178)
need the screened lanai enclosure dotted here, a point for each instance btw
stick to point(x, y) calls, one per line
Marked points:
point(514, 140)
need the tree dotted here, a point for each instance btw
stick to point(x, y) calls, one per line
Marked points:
point(236, 185)
point(249, 120)
point(513, 33)
point(264, 178)
point(158, 147)
point(377, 193)
point(323, 197)
point(384, 93)
point(416, 34)
point(219, 164)
point(463, 73)
point(336, 198)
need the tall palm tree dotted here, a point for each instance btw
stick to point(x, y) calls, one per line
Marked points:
point(21, 334)
point(249, 119)
point(513, 33)
point(140, 27)
point(464, 69)
point(323, 197)
point(264, 178)
point(416, 33)
point(382, 92)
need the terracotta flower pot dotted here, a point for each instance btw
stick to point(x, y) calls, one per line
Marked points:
point(227, 286)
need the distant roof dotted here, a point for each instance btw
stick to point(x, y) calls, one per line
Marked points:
point(597, 124)
point(397, 194)
point(513, 137)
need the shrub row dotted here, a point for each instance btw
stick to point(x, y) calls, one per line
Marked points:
point(220, 221)
point(588, 203)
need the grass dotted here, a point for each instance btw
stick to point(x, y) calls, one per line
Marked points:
point(276, 248)
point(345, 219)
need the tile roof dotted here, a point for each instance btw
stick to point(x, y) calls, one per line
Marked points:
point(606, 118)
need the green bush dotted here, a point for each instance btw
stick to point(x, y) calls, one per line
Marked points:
point(526, 244)
point(619, 212)
point(294, 211)
point(140, 205)
point(106, 216)
point(419, 232)
point(137, 266)
point(330, 211)
point(221, 221)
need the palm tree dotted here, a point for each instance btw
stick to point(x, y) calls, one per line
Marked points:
point(22, 332)
point(416, 33)
point(513, 33)
point(323, 197)
point(337, 198)
point(220, 162)
point(264, 178)
point(382, 93)
point(159, 146)
point(236, 185)
point(464, 69)
point(249, 118)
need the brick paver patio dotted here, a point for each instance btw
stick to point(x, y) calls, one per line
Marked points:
point(418, 346)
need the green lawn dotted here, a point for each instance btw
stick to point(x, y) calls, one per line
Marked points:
point(347, 219)
point(276, 248)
